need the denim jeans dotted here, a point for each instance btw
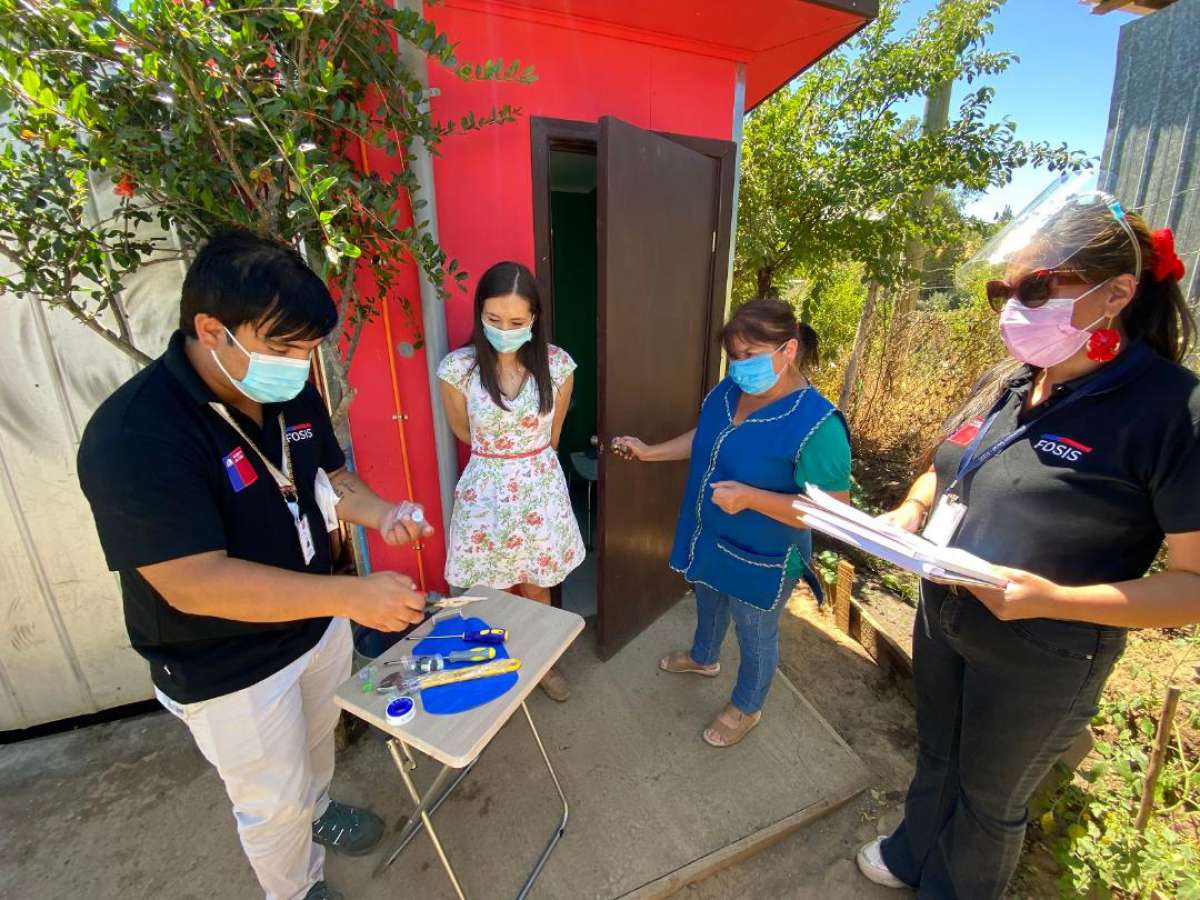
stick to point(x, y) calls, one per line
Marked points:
point(997, 704)
point(758, 639)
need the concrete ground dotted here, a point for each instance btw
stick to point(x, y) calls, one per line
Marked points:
point(130, 809)
point(870, 712)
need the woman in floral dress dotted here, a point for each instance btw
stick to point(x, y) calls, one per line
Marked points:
point(506, 394)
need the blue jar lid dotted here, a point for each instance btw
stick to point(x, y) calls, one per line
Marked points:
point(400, 710)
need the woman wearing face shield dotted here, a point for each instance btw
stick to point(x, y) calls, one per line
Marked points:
point(1065, 469)
point(763, 433)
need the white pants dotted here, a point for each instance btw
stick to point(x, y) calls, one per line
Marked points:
point(272, 744)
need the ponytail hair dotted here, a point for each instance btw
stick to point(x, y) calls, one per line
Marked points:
point(768, 321)
point(1159, 315)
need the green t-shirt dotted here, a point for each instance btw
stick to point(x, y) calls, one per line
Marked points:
point(825, 462)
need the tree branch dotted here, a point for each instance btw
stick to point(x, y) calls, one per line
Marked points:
point(215, 134)
point(116, 340)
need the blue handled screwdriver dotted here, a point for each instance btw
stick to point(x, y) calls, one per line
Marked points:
point(473, 636)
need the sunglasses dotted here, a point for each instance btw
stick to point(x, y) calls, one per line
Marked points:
point(1032, 290)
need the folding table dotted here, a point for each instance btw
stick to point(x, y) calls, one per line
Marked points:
point(537, 635)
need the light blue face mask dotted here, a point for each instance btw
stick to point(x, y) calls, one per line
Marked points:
point(508, 341)
point(269, 379)
point(755, 374)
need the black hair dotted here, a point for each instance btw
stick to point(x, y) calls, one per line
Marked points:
point(500, 280)
point(240, 277)
point(770, 321)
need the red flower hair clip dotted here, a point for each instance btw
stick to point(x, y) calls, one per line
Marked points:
point(1167, 263)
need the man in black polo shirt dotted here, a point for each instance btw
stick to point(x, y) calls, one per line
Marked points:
point(213, 476)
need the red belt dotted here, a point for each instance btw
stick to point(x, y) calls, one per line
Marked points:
point(531, 453)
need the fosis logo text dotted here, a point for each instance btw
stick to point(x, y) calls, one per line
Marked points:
point(1063, 447)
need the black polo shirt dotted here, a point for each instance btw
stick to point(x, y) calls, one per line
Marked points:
point(167, 478)
point(1085, 496)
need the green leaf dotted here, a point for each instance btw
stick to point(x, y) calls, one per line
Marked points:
point(150, 65)
point(77, 102)
point(30, 81)
point(322, 187)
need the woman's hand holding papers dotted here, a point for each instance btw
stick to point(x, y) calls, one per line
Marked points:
point(1027, 596)
point(908, 516)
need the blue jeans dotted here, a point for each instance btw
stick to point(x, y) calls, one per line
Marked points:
point(758, 639)
point(997, 704)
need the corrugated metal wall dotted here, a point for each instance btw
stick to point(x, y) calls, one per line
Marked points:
point(1153, 147)
point(65, 651)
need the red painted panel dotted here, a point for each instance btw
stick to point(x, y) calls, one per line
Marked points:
point(377, 446)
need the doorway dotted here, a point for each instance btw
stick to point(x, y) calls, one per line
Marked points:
point(632, 238)
point(573, 196)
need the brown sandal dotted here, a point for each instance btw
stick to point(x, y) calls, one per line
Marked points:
point(730, 727)
point(681, 661)
point(554, 685)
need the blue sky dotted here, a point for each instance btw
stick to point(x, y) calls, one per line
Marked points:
point(1058, 91)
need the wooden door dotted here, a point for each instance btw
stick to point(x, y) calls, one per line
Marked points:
point(661, 299)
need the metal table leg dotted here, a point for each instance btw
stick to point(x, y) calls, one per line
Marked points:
point(441, 789)
point(413, 824)
point(424, 806)
point(562, 825)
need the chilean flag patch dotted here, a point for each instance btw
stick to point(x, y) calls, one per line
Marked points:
point(966, 432)
point(241, 473)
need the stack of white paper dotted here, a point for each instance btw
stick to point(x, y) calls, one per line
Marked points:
point(844, 523)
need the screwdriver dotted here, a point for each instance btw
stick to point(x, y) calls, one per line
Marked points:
point(437, 661)
point(472, 636)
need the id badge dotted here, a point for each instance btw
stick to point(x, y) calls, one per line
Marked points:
point(943, 522)
point(307, 547)
point(303, 532)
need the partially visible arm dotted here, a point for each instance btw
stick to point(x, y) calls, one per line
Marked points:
point(213, 584)
point(561, 404)
point(677, 448)
point(779, 506)
point(455, 404)
point(668, 451)
point(359, 505)
point(1169, 599)
point(915, 507)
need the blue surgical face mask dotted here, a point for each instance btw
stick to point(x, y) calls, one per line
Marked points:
point(269, 379)
point(508, 341)
point(755, 374)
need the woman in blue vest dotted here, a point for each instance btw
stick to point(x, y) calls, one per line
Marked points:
point(763, 433)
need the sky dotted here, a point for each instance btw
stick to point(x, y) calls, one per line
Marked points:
point(1059, 89)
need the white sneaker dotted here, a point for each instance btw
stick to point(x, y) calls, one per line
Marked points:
point(871, 864)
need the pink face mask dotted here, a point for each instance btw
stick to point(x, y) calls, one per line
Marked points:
point(1044, 336)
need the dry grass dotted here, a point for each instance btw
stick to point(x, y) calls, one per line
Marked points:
point(914, 374)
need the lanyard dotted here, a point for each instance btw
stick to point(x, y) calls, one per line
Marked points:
point(1131, 359)
point(284, 480)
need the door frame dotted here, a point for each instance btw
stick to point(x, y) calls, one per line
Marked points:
point(547, 134)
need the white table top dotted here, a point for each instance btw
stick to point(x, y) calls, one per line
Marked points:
point(537, 635)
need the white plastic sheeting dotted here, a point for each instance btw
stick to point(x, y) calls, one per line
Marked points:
point(64, 651)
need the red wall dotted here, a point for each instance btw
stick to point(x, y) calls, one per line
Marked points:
point(485, 205)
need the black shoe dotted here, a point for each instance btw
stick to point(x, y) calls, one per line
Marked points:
point(348, 829)
point(322, 891)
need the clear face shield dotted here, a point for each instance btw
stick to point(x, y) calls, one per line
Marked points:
point(1035, 253)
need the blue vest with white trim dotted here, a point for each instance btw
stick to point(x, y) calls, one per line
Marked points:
point(745, 555)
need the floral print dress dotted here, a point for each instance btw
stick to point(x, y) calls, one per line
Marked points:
point(513, 522)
